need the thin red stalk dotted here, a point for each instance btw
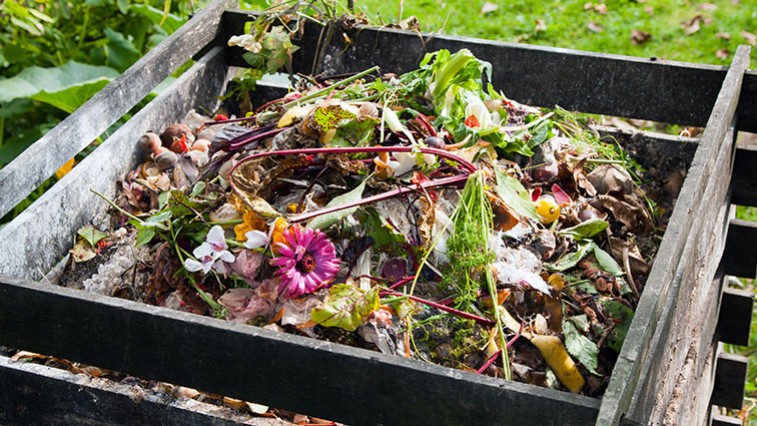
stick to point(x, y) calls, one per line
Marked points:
point(269, 103)
point(256, 137)
point(231, 120)
point(401, 282)
point(516, 337)
point(453, 311)
point(383, 196)
point(465, 164)
point(489, 362)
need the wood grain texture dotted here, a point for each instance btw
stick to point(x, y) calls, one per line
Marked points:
point(735, 317)
point(681, 253)
point(38, 162)
point(38, 238)
point(324, 379)
point(38, 395)
point(730, 377)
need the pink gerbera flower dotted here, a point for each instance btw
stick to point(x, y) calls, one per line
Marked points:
point(307, 261)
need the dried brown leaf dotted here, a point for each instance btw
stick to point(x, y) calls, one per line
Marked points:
point(595, 27)
point(749, 37)
point(489, 7)
point(540, 26)
point(649, 10)
point(639, 37)
point(723, 53)
point(723, 36)
point(692, 26)
point(707, 7)
point(588, 5)
point(601, 9)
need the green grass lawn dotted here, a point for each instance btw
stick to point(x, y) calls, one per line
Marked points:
point(599, 27)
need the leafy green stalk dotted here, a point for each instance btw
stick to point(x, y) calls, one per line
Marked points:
point(472, 224)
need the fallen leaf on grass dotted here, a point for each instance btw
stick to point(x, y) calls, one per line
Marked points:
point(588, 5)
point(540, 26)
point(601, 9)
point(649, 10)
point(749, 37)
point(692, 26)
point(723, 36)
point(639, 37)
point(595, 27)
point(707, 7)
point(723, 53)
point(488, 8)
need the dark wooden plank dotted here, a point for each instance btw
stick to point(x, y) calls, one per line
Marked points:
point(735, 317)
point(721, 420)
point(730, 379)
point(745, 176)
point(300, 374)
point(38, 162)
point(37, 395)
point(748, 103)
point(590, 82)
point(28, 251)
point(648, 332)
point(740, 256)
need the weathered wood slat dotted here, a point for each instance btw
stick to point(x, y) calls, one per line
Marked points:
point(655, 310)
point(735, 317)
point(37, 395)
point(730, 377)
point(740, 256)
point(38, 162)
point(623, 86)
point(304, 375)
point(721, 420)
point(28, 251)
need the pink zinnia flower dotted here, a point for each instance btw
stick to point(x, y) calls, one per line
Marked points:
point(307, 261)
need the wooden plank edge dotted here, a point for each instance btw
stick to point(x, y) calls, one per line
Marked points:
point(38, 162)
point(277, 369)
point(37, 394)
point(740, 256)
point(69, 204)
point(730, 381)
point(735, 317)
point(636, 348)
point(721, 420)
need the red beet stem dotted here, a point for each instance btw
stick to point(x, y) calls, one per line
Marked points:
point(401, 282)
point(378, 197)
point(453, 311)
point(489, 362)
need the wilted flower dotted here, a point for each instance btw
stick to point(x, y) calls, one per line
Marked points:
point(210, 254)
point(307, 261)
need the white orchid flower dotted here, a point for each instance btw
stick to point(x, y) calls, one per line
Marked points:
point(211, 254)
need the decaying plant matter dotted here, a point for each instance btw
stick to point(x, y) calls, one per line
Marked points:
point(424, 215)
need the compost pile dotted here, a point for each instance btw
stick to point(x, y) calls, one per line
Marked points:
point(423, 215)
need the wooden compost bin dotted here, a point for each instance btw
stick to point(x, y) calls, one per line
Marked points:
point(665, 373)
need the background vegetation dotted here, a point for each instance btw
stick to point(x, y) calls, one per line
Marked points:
point(82, 44)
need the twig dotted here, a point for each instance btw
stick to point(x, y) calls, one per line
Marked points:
point(327, 89)
point(629, 276)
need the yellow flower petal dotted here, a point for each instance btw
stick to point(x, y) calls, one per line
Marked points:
point(64, 169)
